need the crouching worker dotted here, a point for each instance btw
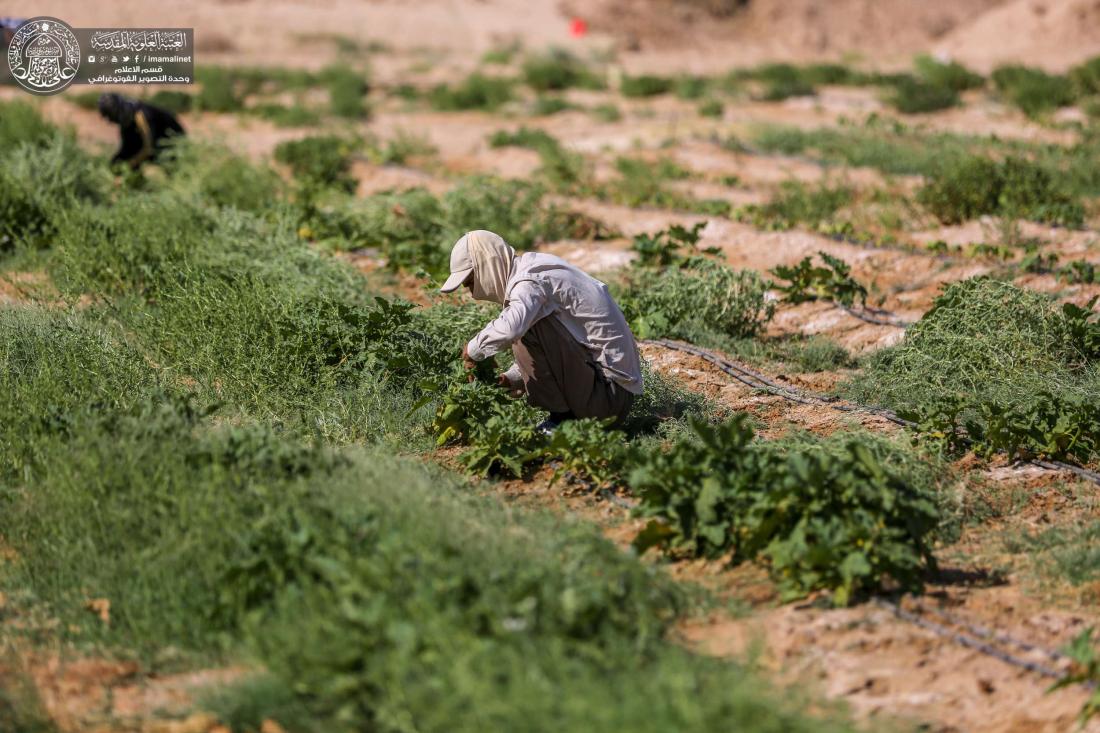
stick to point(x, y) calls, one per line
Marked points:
point(142, 127)
point(574, 353)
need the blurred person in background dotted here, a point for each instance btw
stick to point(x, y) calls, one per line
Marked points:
point(143, 128)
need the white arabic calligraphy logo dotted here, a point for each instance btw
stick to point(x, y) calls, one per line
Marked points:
point(44, 55)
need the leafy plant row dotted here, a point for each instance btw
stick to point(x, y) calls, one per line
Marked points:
point(999, 369)
point(188, 420)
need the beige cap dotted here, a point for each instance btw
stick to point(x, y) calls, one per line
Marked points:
point(461, 266)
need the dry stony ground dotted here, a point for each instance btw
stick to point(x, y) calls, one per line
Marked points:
point(886, 669)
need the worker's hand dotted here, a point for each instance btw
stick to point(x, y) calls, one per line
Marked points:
point(513, 390)
point(468, 363)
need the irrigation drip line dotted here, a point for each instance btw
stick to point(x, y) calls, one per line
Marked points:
point(756, 380)
point(1000, 636)
point(974, 638)
point(1084, 473)
point(875, 316)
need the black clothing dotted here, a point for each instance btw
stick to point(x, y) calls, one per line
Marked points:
point(142, 127)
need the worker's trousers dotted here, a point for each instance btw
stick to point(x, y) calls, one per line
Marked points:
point(560, 375)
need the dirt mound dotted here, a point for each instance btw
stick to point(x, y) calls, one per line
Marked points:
point(788, 29)
point(1054, 34)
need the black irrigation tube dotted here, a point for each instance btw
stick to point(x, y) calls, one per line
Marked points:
point(875, 316)
point(756, 380)
point(978, 638)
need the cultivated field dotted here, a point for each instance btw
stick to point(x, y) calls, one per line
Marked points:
point(246, 486)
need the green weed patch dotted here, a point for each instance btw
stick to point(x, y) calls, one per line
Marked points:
point(476, 92)
point(1034, 91)
point(1014, 187)
point(798, 204)
point(557, 70)
point(702, 295)
point(997, 368)
point(322, 160)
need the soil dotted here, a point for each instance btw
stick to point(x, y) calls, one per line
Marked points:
point(884, 668)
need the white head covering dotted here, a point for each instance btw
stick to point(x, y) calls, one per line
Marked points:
point(491, 258)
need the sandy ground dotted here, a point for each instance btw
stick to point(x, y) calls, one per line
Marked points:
point(884, 668)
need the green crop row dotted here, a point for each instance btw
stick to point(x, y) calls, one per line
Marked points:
point(174, 446)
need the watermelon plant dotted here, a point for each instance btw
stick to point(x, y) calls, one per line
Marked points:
point(1083, 325)
point(1045, 425)
point(829, 281)
point(843, 516)
point(588, 449)
point(676, 245)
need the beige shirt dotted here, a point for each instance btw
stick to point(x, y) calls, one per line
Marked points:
point(544, 286)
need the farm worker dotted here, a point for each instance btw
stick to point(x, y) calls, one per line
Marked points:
point(574, 353)
point(142, 127)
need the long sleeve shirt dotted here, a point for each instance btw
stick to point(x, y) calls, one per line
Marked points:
point(544, 286)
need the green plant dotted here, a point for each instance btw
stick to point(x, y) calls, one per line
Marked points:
point(282, 115)
point(832, 73)
point(217, 92)
point(838, 515)
point(913, 96)
point(21, 123)
point(588, 449)
point(347, 90)
point(643, 183)
point(711, 108)
point(645, 85)
point(1080, 272)
point(476, 92)
point(84, 100)
point(400, 148)
point(1042, 425)
point(947, 74)
point(39, 183)
point(501, 55)
point(964, 189)
point(994, 367)
point(223, 178)
point(1086, 77)
point(321, 160)
point(1086, 670)
point(895, 148)
point(972, 186)
point(525, 137)
point(606, 112)
point(796, 203)
point(668, 246)
point(691, 87)
point(558, 69)
point(830, 281)
point(1032, 90)
point(500, 432)
point(1083, 327)
point(782, 81)
point(546, 105)
point(513, 209)
point(702, 295)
